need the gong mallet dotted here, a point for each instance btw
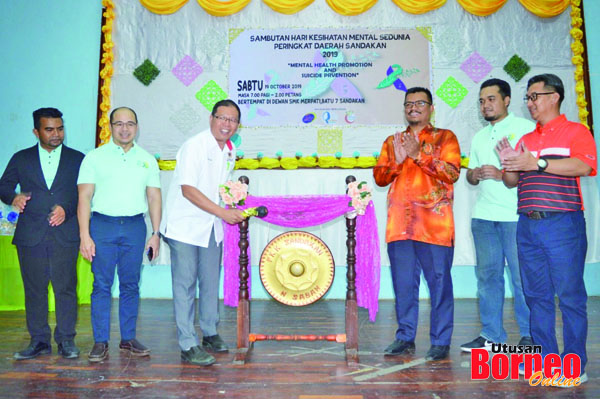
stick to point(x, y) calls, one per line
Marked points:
point(259, 211)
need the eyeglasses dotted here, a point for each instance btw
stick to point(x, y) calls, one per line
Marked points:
point(121, 124)
point(225, 119)
point(418, 104)
point(534, 96)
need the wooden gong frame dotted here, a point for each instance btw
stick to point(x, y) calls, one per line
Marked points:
point(245, 344)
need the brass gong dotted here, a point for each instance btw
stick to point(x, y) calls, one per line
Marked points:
point(296, 268)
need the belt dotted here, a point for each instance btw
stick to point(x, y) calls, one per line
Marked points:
point(114, 218)
point(537, 215)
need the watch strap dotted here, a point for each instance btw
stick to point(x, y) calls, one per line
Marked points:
point(540, 167)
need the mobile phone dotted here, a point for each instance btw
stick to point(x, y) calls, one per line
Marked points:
point(150, 254)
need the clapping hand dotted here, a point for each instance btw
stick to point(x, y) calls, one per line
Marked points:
point(515, 160)
point(504, 150)
point(399, 151)
point(410, 142)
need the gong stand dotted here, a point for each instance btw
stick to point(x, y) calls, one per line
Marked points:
point(245, 339)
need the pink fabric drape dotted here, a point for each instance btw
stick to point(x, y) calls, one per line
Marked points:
point(306, 211)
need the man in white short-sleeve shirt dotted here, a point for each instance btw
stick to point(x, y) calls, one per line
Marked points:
point(192, 228)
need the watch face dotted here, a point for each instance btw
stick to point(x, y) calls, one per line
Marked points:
point(542, 163)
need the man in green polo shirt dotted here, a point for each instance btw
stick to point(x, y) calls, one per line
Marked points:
point(494, 218)
point(118, 183)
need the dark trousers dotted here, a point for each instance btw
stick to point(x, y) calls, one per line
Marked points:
point(119, 245)
point(49, 261)
point(552, 258)
point(407, 259)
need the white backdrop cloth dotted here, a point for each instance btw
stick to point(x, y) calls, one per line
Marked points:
point(169, 112)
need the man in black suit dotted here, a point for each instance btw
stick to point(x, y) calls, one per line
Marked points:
point(47, 233)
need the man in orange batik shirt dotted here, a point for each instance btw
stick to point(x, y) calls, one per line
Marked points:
point(422, 164)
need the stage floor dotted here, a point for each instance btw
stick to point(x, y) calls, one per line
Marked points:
point(302, 370)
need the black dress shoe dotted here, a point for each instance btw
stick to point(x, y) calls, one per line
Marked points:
point(437, 352)
point(400, 347)
point(197, 355)
point(99, 352)
point(33, 350)
point(68, 350)
point(134, 347)
point(215, 343)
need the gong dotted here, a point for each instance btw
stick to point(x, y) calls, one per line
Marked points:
point(296, 268)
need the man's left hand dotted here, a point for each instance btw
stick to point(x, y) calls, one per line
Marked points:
point(57, 216)
point(490, 172)
point(410, 144)
point(154, 243)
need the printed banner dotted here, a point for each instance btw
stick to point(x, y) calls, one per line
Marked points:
point(325, 77)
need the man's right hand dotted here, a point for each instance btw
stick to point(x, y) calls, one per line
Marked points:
point(87, 248)
point(490, 172)
point(505, 150)
point(232, 216)
point(399, 151)
point(20, 201)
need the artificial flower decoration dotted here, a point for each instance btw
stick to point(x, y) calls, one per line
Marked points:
point(360, 195)
point(8, 220)
point(233, 193)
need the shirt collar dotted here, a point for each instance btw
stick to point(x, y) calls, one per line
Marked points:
point(228, 147)
point(427, 129)
point(56, 151)
point(553, 124)
point(504, 121)
point(115, 147)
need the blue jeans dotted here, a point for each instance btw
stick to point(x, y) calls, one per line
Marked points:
point(407, 259)
point(552, 256)
point(120, 244)
point(495, 242)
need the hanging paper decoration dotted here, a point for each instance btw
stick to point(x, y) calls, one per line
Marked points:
point(452, 92)
point(187, 70)
point(233, 34)
point(210, 94)
point(426, 31)
point(329, 141)
point(476, 67)
point(185, 119)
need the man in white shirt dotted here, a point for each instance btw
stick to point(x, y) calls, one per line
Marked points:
point(193, 230)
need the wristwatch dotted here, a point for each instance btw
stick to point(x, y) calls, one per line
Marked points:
point(542, 164)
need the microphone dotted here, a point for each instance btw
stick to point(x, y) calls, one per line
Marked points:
point(259, 211)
